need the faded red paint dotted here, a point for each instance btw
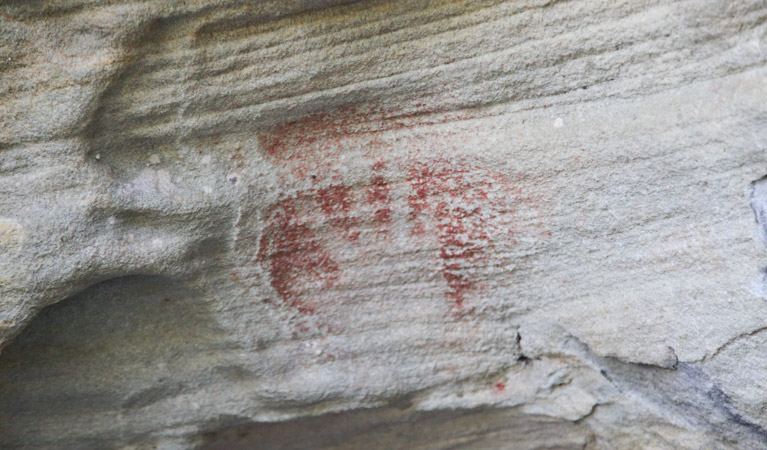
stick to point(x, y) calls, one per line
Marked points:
point(296, 258)
point(336, 202)
point(461, 209)
point(378, 190)
point(451, 201)
point(239, 160)
point(378, 166)
point(378, 195)
point(310, 146)
point(382, 215)
point(500, 386)
point(302, 326)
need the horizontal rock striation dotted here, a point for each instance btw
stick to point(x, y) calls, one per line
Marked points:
point(325, 223)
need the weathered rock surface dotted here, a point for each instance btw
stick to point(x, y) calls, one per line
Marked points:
point(400, 224)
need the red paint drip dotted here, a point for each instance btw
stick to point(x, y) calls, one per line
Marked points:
point(500, 386)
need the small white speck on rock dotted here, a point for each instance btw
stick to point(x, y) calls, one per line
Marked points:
point(559, 123)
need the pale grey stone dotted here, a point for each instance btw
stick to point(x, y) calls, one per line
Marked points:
point(404, 224)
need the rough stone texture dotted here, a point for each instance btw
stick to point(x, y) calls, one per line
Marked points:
point(395, 224)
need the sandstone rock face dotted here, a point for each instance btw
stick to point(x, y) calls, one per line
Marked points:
point(394, 224)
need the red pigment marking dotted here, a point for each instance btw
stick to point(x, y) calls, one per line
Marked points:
point(500, 386)
point(454, 204)
point(312, 143)
point(319, 130)
point(378, 191)
point(452, 200)
point(296, 258)
point(382, 215)
point(335, 202)
point(310, 146)
point(294, 242)
point(466, 206)
point(378, 195)
point(238, 159)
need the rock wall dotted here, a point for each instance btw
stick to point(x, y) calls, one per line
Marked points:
point(383, 224)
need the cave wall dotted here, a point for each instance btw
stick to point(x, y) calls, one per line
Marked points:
point(321, 223)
